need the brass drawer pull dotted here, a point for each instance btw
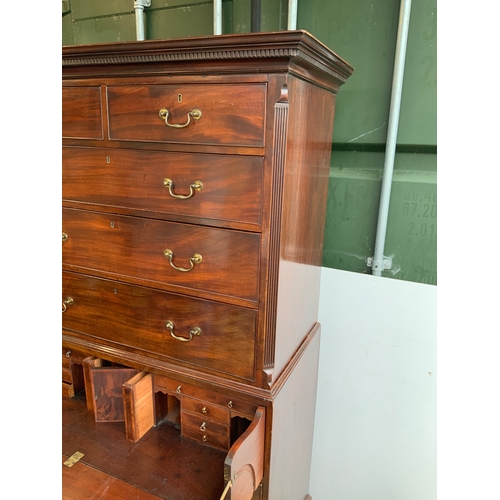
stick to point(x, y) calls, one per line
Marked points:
point(203, 427)
point(195, 113)
point(68, 302)
point(195, 259)
point(195, 331)
point(195, 186)
point(64, 237)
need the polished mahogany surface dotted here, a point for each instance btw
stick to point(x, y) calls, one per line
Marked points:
point(81, 112)
point(230, 114)
point(135, 318)
point(133, 249)
point(205, 430)
point(131, 181)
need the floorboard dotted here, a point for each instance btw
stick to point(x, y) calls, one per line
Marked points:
point(84, 482)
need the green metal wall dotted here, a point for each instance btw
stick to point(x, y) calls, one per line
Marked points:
point(97, 21)
point(364, 33)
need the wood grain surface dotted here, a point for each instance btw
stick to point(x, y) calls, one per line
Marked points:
point(231, 114)
point(126, 179)
point(161, 463)
point(132, 249)
point(135, 318)
point(81, 112)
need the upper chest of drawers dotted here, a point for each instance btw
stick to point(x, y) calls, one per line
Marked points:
point(163, 191)
point(192, 170)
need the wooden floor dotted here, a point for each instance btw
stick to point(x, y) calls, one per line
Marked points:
point(83, 482)
point(162, 465)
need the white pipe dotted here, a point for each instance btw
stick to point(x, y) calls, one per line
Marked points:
point(217, 17)
point(292, 14)
point(392, 133)
point(139, 17)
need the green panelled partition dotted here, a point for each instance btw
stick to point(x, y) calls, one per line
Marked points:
point(97, 21)
point(364, 33)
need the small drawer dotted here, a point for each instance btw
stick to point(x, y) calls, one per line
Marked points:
point(68, 391)
point(72, 372)
point(81, 113)
point(66, 362)
point(206, 410)
point(169, 385)
point(209, 114)
point(230, 189)
point(218, 260)
point(200, 334)
point(205, 430)
point(67, 375)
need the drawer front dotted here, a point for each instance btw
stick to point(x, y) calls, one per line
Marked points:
point(81, 113)
point(137, 318)
point(67, 375)
point(136, 247)
point(68, 391)
point(205, 430)
point(66, 362)
point(231, 115)
point(206, 410)
point(232, 185)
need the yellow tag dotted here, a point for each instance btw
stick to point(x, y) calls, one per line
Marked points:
point(73, 459)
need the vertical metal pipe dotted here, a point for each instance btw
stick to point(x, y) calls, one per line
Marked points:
point(139, 22)
point(217, 17)
point(255, 16)
point(392, 133)
point(139, 17)
point(292, 14)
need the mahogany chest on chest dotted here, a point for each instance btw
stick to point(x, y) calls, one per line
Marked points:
point(195, 175)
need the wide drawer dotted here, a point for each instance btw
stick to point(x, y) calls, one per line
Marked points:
point(81, 113)
point(231, 185)
point(211, 336)
point(210, 114)
point(192, 257)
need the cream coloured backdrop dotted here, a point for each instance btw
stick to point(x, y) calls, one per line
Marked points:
point(375, 430)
